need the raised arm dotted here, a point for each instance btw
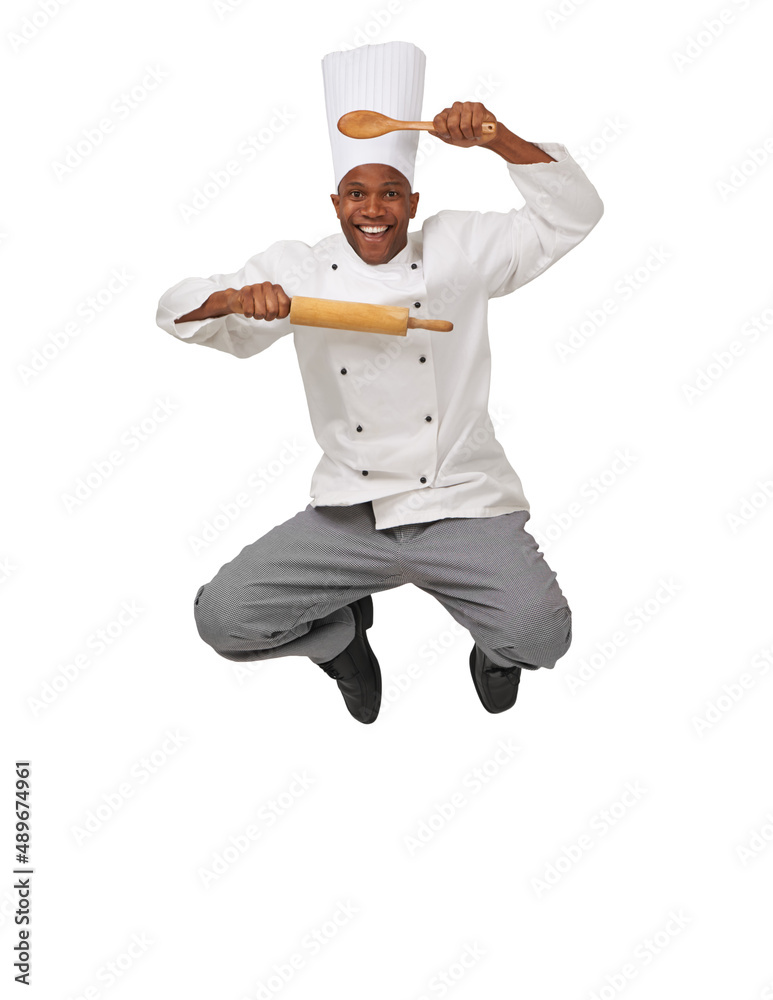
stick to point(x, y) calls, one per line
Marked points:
point(509, 249)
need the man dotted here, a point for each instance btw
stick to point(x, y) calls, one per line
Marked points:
point(413, 486)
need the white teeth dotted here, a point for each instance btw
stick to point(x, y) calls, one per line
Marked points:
point(373, 229)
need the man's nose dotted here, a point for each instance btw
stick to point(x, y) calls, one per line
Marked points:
point(371, 207)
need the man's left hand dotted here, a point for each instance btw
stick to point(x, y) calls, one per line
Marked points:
point(460, 125)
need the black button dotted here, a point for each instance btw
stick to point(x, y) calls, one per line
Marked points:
point(423, 479)
point(334, 266)
point(343, 371)
point(414, 266)
point(358, 427)
point(428, 418)
point(364, 472)
point(417, 305)
point(422, 358)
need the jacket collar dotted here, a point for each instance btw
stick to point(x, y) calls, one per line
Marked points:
point(397, 265)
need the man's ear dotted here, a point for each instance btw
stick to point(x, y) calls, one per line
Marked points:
point(336, 200)
point(414, 203)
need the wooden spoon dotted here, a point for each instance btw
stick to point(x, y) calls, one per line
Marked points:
point(369, 124)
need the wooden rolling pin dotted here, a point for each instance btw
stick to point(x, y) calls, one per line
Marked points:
point(369, 124)
point(360, 316)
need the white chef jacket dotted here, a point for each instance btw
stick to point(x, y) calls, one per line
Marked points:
point(403, 421)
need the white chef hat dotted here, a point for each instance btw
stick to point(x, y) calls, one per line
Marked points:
point(389, 78)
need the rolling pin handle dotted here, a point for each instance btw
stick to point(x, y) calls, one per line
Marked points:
point(440, 325)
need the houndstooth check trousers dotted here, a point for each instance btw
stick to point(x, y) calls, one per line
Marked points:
point(287, 593)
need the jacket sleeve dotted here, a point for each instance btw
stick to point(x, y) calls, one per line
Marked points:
point(509, 249)
point(234, 334)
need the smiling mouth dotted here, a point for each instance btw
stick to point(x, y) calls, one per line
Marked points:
point(372, 234)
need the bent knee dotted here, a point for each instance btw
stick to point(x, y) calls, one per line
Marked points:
point(209, 615)
point(233, 618)
point(219, 613)
point(540, 639)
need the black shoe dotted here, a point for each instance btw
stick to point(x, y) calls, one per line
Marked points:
point(497, 686)
point(356, 668)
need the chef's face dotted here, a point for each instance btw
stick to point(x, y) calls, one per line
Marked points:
point(375, 196)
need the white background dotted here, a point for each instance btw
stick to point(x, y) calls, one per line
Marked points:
point(524, 889)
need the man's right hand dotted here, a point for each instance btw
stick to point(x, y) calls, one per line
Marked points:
point(261, 301)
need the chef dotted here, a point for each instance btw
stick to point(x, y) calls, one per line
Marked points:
point(413, 486)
